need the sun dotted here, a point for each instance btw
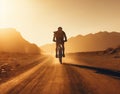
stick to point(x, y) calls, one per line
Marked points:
point(5, 11)
point(4, 8)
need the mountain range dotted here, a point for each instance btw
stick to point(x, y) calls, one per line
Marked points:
point(91, 42)
point(12, 41)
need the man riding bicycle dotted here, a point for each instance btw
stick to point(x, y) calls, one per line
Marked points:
point(60, 37)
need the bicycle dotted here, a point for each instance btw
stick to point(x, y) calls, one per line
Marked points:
point(60, 52)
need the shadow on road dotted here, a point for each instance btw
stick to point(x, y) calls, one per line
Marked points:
point(115, 74)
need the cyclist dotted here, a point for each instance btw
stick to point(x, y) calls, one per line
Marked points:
point(60, 37)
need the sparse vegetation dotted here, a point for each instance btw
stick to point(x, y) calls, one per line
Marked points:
point(113, 51)
point(12, 64)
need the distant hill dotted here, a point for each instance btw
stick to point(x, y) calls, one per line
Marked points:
point(91, 42)
point(12, 41)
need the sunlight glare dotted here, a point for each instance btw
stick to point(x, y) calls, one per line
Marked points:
point(5, 13)
point(4, 8)
point(56, 60)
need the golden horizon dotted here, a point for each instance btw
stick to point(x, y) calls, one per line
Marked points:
point(36, 20)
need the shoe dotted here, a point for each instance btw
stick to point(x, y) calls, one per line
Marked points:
point(63, 55)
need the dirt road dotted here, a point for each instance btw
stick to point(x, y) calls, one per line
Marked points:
point(50, 77)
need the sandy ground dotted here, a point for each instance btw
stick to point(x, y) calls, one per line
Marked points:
point(79, 74)
point(13, 64)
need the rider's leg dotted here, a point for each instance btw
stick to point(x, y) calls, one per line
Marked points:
point(63, 49)
point(56, 49)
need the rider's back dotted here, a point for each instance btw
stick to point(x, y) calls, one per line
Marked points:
point(59, 35)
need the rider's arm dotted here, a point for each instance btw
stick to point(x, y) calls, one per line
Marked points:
point(54, 38)
point(65, 36)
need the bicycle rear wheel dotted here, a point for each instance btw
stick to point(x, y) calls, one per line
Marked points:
point(60, 60)
point(60, 56)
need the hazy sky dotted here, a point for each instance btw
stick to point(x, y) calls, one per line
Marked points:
point(37, 19)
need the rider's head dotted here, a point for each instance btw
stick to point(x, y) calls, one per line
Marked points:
point(60, 28)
